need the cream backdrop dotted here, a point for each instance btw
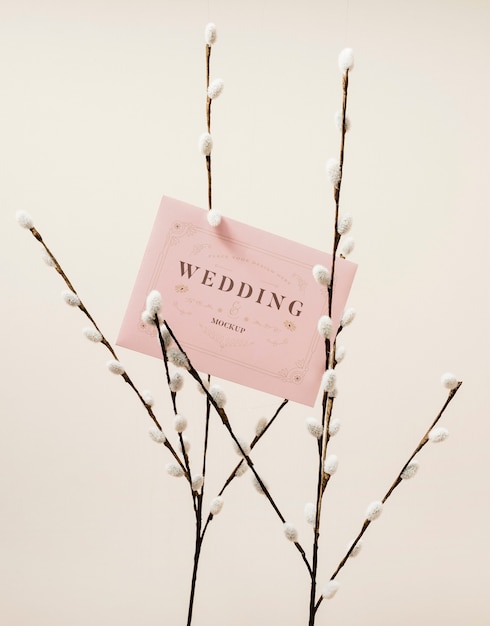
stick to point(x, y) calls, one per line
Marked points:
point(102, 105)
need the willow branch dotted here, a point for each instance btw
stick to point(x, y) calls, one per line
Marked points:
point(208, 123)
point(336, 238)
point(233, 473)
point(174, 405)
point(107, 345)
point(226, 423)
point(393, 486)
point(327, 402)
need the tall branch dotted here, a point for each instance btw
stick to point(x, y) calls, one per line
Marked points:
point(327, 402)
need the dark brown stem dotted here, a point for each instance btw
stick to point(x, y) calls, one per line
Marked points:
point(199, 537)
point(322, 481)
point(210, 516)
point(393, 486)
point(208, 123)
point(208, 100)
point(197, 554)
point(226, 423)
point(255, 440)
point(345, 85)
point(173, 396)
point(210, 194)
point(108, 346)
point(206, 437)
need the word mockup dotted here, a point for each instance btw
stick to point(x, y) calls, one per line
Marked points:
point(242, 302)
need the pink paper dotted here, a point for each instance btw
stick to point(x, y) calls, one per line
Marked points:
point(242, 302)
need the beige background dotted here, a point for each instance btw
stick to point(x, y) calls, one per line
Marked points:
point(102, 104)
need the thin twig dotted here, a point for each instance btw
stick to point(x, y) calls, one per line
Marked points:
point(393, 486)
point(226, 423)
point(109, 347)
point(174, 405)
point(208, 123)
point(345, 85)
point(206, 438)
point(233, 474)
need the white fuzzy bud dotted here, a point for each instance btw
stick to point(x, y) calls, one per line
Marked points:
point(176, 382)
point(329, 379)
point(210, 34)
point(322, 275)
point(346, 246)
point(48, 259)
point(186, 442)
point(205, 144)
point(205, 383)
point(356, 549)
point(180, 423)
point(348, 317)
point(214, 218)
point(218, 395)
point(166, 336)
point(173, 469)
point(243, 445)
point(147, 318)
point(157, 436)
point(148, 398)
point(438, 434)
point(331, 464)
point(314, 427)
point(333, 427)
point(330, 589)
point(70, 298)
point(333, 171)
point(334, 393)
point(92, 334)
point(178, 358)
point(339, 353)
point(310, 513)
point(344, 224)
point(290, 532)
point(257, 485)
point(374, 510)
point(216, 505)
point(325, 326)
point(115, 367)
point(24, 219)
point(241, 469)
point(260, 426)
point(346, 60)
point(410, 470)
point(197, 482)
point(154, 302)
point(338, 121)
point(449, 380)
point(215, 88)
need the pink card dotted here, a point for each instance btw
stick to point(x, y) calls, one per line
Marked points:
point(242, 302)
